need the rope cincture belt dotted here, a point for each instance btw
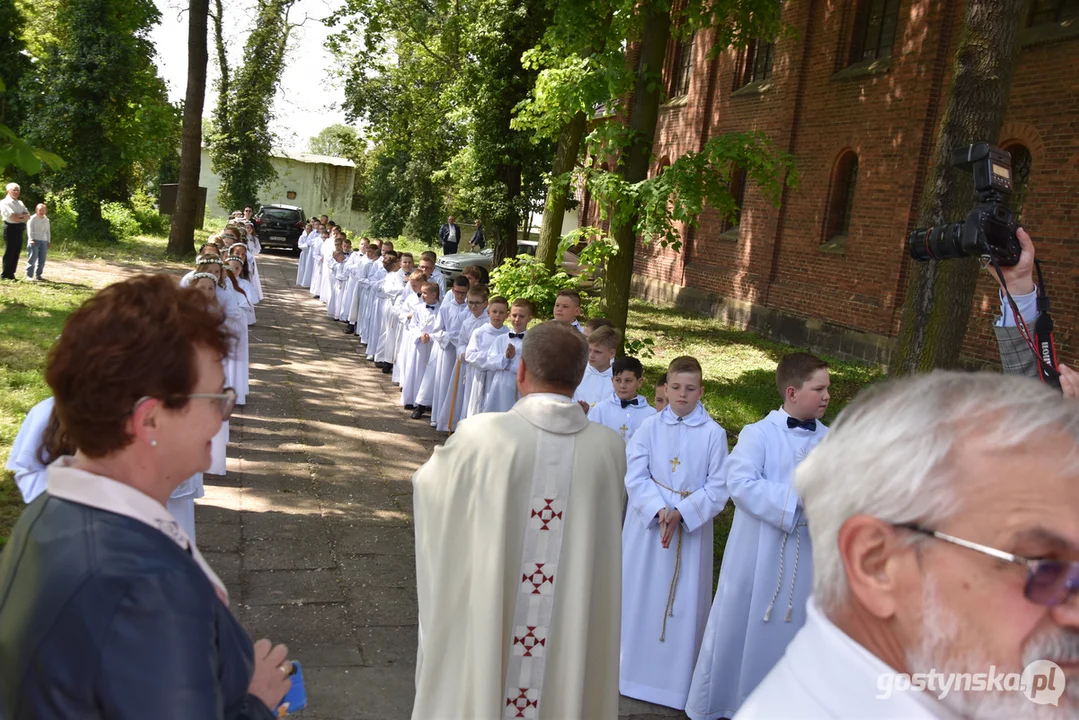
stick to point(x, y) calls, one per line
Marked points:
point(669, 611)
point(794, 575)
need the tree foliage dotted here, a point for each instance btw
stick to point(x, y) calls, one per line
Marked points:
point(494, 96)
point(241, 143)
point(100, 104)
point(337, 141)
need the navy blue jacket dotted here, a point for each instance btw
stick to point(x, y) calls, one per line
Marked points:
point(102, 616)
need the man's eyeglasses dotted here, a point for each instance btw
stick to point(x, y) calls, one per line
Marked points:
point(475, 303)
point(1049, 582)
point(226, 400)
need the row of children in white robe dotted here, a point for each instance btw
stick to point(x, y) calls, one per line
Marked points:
point(680, 647)
point(675, 650)
point(227, 283)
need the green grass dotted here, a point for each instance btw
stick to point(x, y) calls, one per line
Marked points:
point(31, 317)
point(739, 376)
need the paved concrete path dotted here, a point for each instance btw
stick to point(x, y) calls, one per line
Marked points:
point(312, 527)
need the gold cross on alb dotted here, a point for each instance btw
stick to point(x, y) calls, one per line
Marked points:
point(624, 429)
point(674, 464)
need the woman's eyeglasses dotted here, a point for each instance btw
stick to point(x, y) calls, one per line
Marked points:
point(1049, 582)
point(226, 400)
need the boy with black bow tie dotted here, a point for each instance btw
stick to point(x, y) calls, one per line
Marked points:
point(767, 571)
point(501, 360)
point(625, 409)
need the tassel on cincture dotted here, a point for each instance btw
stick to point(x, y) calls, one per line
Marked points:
point(768, 613)
point(789, 614)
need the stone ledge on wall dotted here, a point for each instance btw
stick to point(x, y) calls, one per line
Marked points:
point(809, 333)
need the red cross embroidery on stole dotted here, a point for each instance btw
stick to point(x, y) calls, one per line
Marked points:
point(546, 514)
point(529, 642)
point(522, 702)
point(537, 579)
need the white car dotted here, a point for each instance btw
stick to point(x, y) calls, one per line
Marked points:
point(452, 265)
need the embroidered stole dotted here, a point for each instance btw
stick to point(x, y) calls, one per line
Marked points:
point(534, 606)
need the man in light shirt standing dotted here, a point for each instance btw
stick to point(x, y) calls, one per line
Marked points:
point(15, 216)
point(450, 236)
point(37, 247)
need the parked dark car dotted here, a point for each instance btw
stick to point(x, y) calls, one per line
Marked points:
point(279, 226)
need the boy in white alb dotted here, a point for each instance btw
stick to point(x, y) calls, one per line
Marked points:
point(498, 308)
point(447, 371)
point(661, 393)
point(427, 264)
point(625, 409)
point(393, 286)
point(477, 306)
point(596, 383)
point(317, 243)
point(411, 299)
point(422, 324)
point(567, 308)
point(502, 357)
point(767, 572)
point(336, 269)
point(674, 479)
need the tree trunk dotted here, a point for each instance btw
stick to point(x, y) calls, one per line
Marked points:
point(554, 210)
point(936, 310)
point(634, 161)
point(91, 223)
point(505, 245)
point(182, 234)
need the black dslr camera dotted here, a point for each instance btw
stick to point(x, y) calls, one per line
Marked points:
point(989, 229)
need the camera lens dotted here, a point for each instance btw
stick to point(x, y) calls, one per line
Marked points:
point(940, 242)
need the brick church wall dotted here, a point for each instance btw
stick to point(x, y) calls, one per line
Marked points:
point(775, 271)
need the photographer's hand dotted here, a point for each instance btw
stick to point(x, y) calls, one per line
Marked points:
point(1069, 382)
point(1020, 277)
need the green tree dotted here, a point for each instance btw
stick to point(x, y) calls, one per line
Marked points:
point(12, 70)
point(241, 144)
point(17, 154)
point(102, 106)
point(387, 192)
point(936, 309)
point(337, 141)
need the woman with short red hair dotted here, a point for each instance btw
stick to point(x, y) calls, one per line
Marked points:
point(107, 609)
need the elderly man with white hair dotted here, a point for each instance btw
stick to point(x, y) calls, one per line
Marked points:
point(944, 514)
point(15, 215)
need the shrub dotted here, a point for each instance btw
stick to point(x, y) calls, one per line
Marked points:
point(523, 277)
point(62, 218)
point(121, 219)
point(151, 222)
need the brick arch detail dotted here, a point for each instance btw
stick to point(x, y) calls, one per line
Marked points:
point(1026, 134)
point(665, 161)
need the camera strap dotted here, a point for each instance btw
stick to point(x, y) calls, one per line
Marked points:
point(1041, 342)
point(1043, 333)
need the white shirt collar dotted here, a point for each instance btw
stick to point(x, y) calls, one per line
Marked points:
point(78, 486)
point(849, 674)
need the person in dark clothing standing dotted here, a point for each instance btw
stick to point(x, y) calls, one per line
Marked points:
point(478, 242)
point(15, 215)
point(450, 236)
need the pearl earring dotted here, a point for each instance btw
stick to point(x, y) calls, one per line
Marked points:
point(153, 443)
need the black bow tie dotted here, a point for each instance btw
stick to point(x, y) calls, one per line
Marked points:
point(431, 307)
point(419, 295)
point(516, 335)
point(810, 425)
point(628, 402)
